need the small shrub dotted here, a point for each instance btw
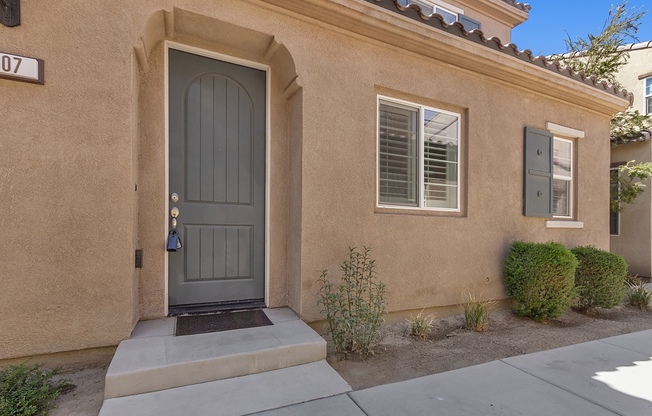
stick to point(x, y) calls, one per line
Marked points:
point(540, 278)
point(355, 309)
point(420, 325)
point(638, 295)
point(476, 313)
point(29, 390)
point(599, 278)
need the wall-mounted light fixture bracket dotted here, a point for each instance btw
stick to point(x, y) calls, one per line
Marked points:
point(10, 12)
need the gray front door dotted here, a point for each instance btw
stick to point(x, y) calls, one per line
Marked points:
point(217, 168)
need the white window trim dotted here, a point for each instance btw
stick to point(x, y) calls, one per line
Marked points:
point(567, 133)
point(421, 108)
point(448, 7)
point(570, 178)
point(559, 130)
point(564, 224)
point(646, 95)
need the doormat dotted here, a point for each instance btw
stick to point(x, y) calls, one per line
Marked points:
point(224, 321)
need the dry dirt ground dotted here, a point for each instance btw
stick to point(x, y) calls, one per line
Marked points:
point(449, 346)
point(87, 397)
point(401, 357)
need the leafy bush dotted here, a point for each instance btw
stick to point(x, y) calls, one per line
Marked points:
point(355, 309)
point(476, 313)
point(540, 278)
point(420, 325)
point(638, 295)
point(599, 278)
point(29, 390)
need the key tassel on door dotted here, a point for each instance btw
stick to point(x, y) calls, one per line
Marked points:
point(174, 242)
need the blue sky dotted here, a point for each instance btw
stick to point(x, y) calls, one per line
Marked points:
point(545, 31)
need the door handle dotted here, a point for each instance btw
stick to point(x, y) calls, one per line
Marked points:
point(174, 213)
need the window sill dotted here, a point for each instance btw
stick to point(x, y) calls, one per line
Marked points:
point(419, 212)
point(564, 224)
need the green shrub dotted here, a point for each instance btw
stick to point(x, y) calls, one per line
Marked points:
point(355, 309)
point(29, 390)
point(540, 278)
point(599, 278)
point(638, 295)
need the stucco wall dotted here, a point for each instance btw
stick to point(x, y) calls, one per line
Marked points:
point(640, 63)
point(426, 259)
point(491, 27)
point(75, 149)
point(430, 259)
point(67, 182)
point(634, 242)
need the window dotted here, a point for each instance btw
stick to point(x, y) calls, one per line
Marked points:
point(549, 174)
point(648, 95)
point(614, 216)
point(562, 183)
point(451, 14)
point(418, 156)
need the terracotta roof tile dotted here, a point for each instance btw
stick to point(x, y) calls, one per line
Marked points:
point(642, 136)
point(436, 21)
point(637, 46)
point(523, 6)
point(628, 47)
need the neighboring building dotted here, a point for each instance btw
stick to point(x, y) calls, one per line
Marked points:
point(631, 230)
point(283, 131)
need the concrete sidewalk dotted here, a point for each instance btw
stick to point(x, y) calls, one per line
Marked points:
point(611, 377)
point(608, 377)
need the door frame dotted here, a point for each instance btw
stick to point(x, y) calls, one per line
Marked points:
point(233, 60)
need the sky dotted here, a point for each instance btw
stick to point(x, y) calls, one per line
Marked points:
point(552, 21)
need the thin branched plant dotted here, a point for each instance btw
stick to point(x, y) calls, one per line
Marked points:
point(356, 307)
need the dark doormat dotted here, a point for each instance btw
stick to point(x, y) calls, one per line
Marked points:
point(224, 321)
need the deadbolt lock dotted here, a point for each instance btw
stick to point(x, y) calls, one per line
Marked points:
point(174, 197)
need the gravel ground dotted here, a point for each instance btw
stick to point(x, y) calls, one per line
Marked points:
point(449, 346)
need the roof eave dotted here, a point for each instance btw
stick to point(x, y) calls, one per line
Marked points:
point(466, 50)
point(642, 136)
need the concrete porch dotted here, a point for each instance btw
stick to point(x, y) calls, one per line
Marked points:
point(284, 362)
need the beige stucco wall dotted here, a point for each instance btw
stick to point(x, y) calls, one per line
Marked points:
point(67, 181)
point(426, 259)
point(492, 26)
point(639, 63)
point(634, 241)
point(75, 149)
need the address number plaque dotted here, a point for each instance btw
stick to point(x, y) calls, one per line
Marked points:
point(21, 68)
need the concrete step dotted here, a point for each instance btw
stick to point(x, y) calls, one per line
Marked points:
point(154, 359)
point(242, 395)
